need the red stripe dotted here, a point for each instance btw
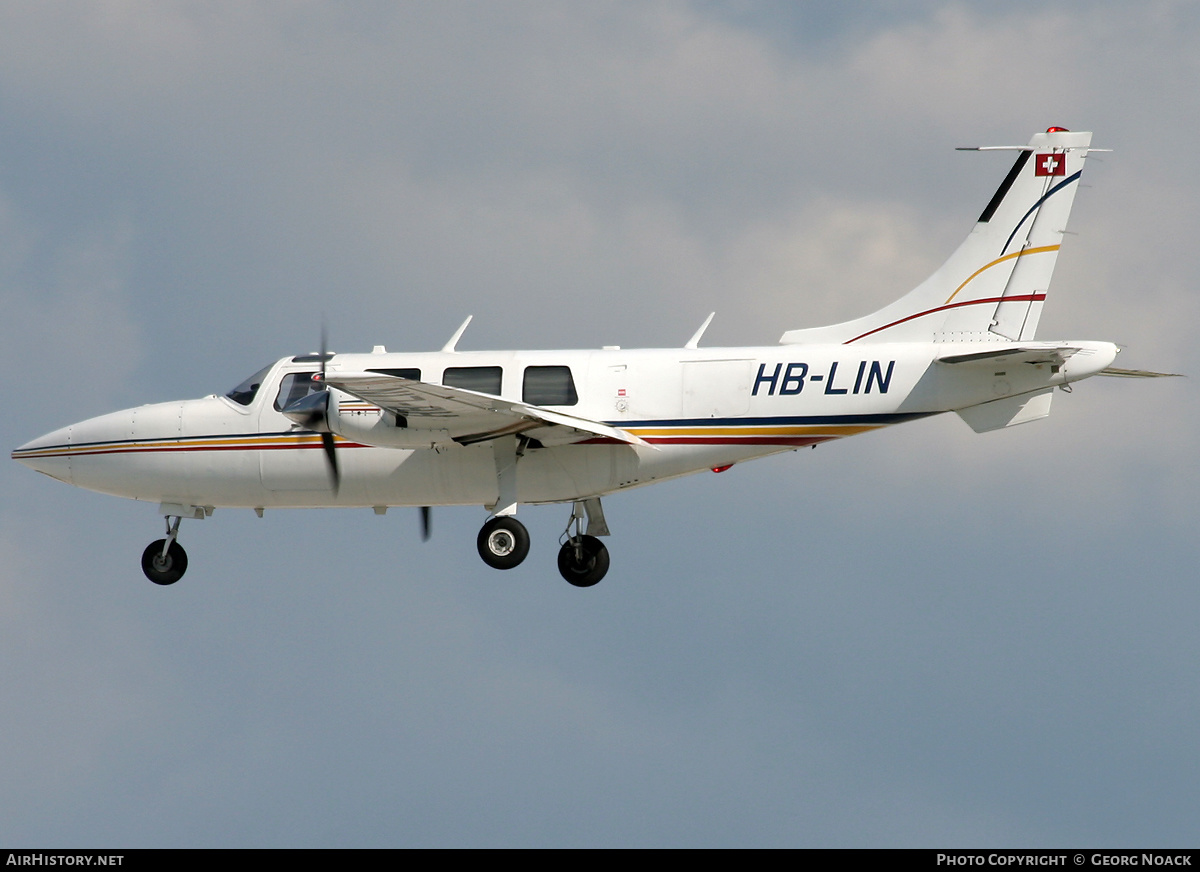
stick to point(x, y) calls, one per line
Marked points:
point(1018, 298)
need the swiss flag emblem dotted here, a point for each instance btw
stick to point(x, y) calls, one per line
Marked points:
point(1050, 165)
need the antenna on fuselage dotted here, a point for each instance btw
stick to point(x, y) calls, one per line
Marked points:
point(694, 342)
point(449, 346)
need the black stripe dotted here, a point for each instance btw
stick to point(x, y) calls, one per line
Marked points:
point(224, 437)
point(1040, 201)
point(776, 421)
point(998, 197)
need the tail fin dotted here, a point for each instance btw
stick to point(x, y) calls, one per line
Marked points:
point(992, 288)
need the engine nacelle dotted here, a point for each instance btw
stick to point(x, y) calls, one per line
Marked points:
point(359, 421)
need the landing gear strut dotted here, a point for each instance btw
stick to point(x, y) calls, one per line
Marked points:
point(164, 561)
point(582, 559)
point(503, 542)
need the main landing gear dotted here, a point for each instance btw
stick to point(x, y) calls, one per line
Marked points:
point(164, 561)
point(503, 543)
point(583, 559)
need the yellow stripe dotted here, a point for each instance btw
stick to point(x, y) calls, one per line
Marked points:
point(1038, 250)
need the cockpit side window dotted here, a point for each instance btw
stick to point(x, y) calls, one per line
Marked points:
point(295, 386)
point(244, 393)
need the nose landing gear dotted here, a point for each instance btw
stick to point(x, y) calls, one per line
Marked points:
point(164, 561)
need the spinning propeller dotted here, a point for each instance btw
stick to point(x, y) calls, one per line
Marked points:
point(312, 412)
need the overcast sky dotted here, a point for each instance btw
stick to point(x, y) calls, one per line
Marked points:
point(920, 637)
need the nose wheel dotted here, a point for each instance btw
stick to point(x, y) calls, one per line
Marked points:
point(163, 568)
point(164, 561)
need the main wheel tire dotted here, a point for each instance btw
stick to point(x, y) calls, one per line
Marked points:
point(503, 542)
point(586, 568)
point(164, 570)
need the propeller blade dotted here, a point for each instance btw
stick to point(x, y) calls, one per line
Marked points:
point(324, 349)
point(310, 412)
point(335, 474)
point(313, 412)
point(426, 522)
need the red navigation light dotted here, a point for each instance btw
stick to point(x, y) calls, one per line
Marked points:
point(722, 468)
point(1057, 130)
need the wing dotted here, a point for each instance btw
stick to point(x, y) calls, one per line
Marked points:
point(470, 416)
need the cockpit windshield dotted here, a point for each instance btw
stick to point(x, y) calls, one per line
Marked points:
point(244, 393)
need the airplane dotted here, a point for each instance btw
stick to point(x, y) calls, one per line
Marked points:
point(502, 429)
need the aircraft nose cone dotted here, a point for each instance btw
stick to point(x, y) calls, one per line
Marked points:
point(49, 454)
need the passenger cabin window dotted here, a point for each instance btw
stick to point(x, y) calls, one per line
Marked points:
point(295, 386)
point(244, 393)
point(549, 386)
point(484, 379)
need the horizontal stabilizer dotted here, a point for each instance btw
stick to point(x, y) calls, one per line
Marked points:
point(1117, 372)
point(1054, 355)
point(1008, 412)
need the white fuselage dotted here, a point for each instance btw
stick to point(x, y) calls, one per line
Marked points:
point(695, 409)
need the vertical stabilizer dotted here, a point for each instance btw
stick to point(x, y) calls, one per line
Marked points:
point(993, 287)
